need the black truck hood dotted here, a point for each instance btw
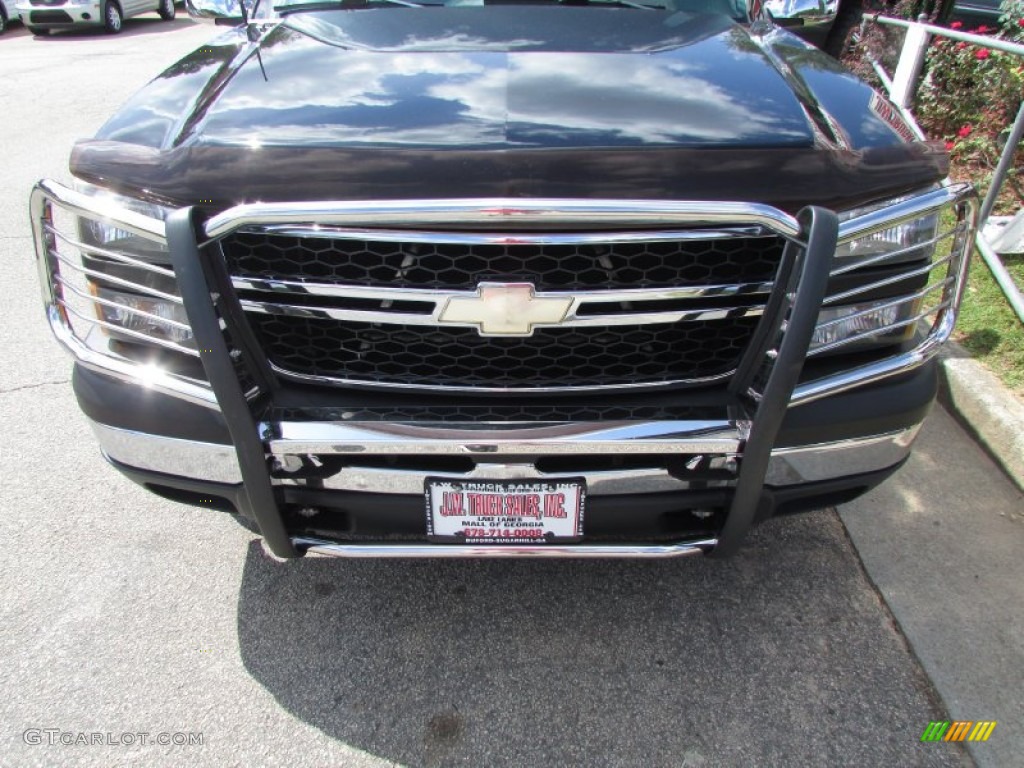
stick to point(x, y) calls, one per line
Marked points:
point(507, 101)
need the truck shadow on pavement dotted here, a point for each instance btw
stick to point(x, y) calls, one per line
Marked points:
point(782, 655)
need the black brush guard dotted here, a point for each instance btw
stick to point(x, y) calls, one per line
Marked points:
point(763, 383)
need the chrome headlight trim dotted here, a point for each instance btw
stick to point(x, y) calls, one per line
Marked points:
point(962, 199)
point(65, 285)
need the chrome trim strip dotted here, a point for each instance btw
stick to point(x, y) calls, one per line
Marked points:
point(285, 438)
point(85, 205)
point(487, 238)
point(426, 295)
point(397, 387)
point(169, 455)
point(432, 320)
point(838, 297)
point(116, 280)
point(504, 213)
point(650, 551)
point(893, 215)
point(441, 298)
point(115, 255)
point(564, 212)
point(409, 482)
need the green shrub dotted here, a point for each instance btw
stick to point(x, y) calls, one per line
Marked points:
point(970, 95)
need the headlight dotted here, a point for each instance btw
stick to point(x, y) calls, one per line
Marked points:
point(885, 280)
point(113, 280)
point(906, 241)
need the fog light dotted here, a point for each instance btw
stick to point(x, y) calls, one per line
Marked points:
point(153, 317)
point(867, 323)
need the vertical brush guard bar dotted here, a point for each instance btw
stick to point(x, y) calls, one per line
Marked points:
point(793, 308)
point(194, 280)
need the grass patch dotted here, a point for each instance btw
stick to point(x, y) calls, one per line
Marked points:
point(988, 327)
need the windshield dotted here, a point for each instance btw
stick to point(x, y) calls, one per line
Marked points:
point(735, 9)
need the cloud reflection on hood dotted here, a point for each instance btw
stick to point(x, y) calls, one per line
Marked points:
point(323, 94)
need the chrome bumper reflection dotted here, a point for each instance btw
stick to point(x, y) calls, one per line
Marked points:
point(579, 438)
point(632, 551)
point(217, 463)
point(410, 483)
point(196, 460)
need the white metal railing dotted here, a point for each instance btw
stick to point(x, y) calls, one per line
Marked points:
point(901, 88)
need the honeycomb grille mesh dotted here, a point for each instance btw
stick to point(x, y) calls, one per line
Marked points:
point(549, 267)
point(351, 350)
point(460, 357)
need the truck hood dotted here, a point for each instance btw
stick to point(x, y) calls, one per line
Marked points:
point(327, 82)
point(360, 95)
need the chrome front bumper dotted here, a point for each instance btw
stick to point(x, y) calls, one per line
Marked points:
point(211, 462)
point(218, 463)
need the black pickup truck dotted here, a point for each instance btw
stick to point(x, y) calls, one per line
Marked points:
point(449, 279)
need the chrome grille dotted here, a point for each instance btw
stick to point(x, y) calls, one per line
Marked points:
point(67, 264)
point(340, 306)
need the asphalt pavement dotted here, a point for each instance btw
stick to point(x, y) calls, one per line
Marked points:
point(122, 614)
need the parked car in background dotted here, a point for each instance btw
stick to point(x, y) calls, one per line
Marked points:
point(42, 16)
point(8, 13)
point(810, 19)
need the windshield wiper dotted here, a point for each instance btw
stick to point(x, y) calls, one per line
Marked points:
point(324, 5)
point(327, 5)
point(651, 6)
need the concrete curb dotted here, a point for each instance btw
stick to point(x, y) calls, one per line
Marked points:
point(977, 397)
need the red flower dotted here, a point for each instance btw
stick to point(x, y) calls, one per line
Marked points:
point(1020, 22)
point(982, 29)
point(950, 145)
point(982, 53)
point(956, 25)
point(964, 132)
point(961, 46)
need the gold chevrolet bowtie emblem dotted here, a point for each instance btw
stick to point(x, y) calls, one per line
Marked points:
point(505, 309)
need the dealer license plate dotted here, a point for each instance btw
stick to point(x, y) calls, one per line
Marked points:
point(505, 511)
